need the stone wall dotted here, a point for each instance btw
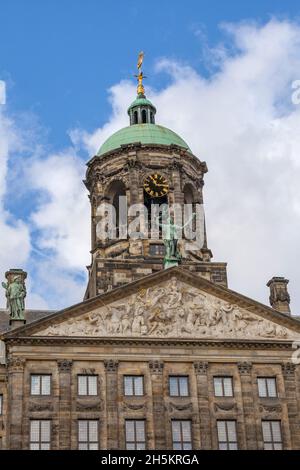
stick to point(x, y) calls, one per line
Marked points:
point(156, 361)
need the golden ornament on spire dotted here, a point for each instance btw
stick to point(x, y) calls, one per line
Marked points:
point(140, 59)
point(140, 76)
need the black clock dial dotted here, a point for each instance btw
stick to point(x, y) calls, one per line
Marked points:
point(156, 185)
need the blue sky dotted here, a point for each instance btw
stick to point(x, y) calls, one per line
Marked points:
point(59, 57)
point(219, 73)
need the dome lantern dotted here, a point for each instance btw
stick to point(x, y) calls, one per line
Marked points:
point(141, 111)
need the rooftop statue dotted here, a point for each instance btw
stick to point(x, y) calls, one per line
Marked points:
point(15, 295)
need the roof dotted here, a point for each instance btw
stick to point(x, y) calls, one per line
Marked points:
point(143, 133)
point(140, 101)
point(117, 294)
point(30, 316)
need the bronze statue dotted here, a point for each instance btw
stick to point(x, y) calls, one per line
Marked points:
point(172, 254)
point(15, 295)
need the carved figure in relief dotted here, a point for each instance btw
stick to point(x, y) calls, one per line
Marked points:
point(138, 323)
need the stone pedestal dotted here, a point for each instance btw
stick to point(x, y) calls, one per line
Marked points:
point(16, 323)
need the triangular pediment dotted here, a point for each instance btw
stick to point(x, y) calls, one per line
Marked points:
point(170, 304)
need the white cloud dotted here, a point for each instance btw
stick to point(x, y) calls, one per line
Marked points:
point(14, 234)
point(63, 217)
point(2, 92)
point(242, 122)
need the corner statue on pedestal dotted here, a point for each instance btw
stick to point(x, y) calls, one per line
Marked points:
point(15, 294)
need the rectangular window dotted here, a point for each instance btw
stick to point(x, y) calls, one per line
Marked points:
point(40, 384)
point(40, 434)
point(267, 387)
point(272, 435)
point(182, 434)
point(1, 405)
point(179, 386)
point(135, 434)
point(133, 385)
point(227, 436)
point(88, 434)
point(157, 250)
point(223, 386)
point(87, 385)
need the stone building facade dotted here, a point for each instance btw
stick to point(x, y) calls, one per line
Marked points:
point(152, 358)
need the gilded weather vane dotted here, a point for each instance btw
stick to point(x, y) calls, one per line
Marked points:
point(140, 76)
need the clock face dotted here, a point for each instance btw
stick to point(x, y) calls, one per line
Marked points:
point(156, 185)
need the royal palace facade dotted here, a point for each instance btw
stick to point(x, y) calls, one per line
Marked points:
point(160, 354)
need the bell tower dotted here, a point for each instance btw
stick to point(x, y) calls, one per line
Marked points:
point(143, 164)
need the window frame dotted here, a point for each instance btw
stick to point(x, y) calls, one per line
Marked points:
point(40, 394)
point(40, 442)
point(135, 442)
point(272, 442)
point(133, 385)
point(223, 388)
point(86, 376)
point(228, 442)
point(182, 442)
point(178, 377)
point(88, 442)
point(157, 249)
point(266, 378)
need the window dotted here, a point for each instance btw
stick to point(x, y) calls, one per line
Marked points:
point(40, 384)
point(144, 116)
point(223, 386)
point(179, 386)
point(1, 405)
point(87, 385)
point(182, 435)
point(267, 387)
point(157, 250)
point(227, 435)
point(88, 434)
point(133, 385)
point(272, 435)
point(135, 434)
point(40, 431)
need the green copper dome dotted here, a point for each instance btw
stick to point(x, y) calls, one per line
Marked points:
point(143, 133)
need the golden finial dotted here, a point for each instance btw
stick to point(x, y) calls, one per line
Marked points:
point(140, 76)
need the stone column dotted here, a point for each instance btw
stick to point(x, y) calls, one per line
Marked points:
point(111, 367)
point(65, 403)
point(245, 369)
point(159, 419)
point(203, 403)
point(15, 402)
point(288, 372)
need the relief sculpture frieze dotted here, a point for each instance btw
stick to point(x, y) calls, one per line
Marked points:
point(171, 309)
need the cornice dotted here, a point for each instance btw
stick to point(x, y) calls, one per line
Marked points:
point(186, 342)
point(165, 149)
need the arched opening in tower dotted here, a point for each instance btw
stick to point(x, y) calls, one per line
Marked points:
point(149, 203)
point(114, 193)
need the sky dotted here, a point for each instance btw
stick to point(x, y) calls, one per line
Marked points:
point(220, 74)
